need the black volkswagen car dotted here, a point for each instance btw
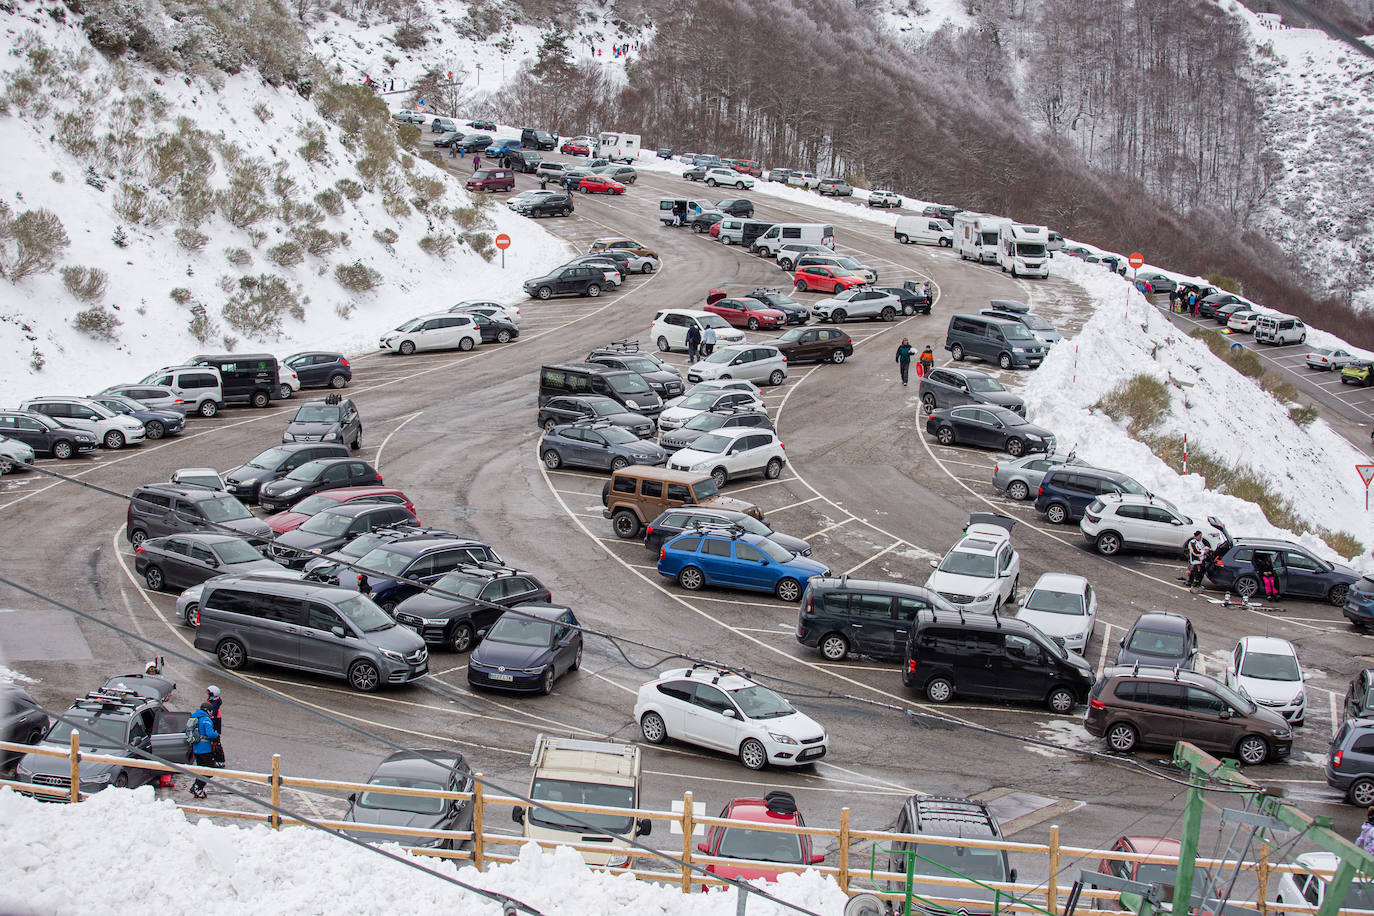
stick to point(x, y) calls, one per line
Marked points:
point(989, 426)
point(466, 602)
point(314, 476)
point(247, 479)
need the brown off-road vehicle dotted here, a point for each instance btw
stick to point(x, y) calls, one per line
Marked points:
point(636, 494)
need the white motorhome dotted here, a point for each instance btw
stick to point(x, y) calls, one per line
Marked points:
point(576, 771)
point(1024, 250)
point(802, 233)
point(976, 236)
point(618, 147)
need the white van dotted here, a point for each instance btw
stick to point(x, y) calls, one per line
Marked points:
point(1280, 329)
point(802, 233)
point(976, 236)
point(927, 229)
point(669, 330)
point(618, 147)
point(1024, 250)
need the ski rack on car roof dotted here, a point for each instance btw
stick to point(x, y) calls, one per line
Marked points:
point(719, 671)
point(333, 399)
point(722, 525)
point(112, 698)
point(624, 345)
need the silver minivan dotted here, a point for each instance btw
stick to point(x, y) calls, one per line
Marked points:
point(200, 386)
point(995, 340)
point(308, 626)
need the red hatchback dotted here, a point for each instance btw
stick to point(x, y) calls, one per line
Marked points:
point(747, 313)
point(826, 279)
point(283, 522)
point(600, 184)
point(759, 846)
point(572, 148)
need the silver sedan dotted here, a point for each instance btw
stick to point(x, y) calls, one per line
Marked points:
point(1328, 358)
point(1020, 478)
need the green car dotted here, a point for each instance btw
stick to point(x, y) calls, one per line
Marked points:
point(1356, 374)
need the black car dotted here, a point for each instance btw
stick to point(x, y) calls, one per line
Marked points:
point(1298, 572)
point(949, 387)
point(680, 518)
point(45, 435)
point(523, 160)
point(329, 419)
point(844, 616)
point(912, 302)
point(561, 410)
point(1160, 638)
point(474, 143)
point(696, 173)
point(22, 721)
point(663, 379)
point(711, 420)
point(559, 203)
point(664, 153)
point(329, 563)
point(577, 280)
point(704, 220)
point(482, 125)
point(776, 299)
point(330, 529)
point(495, 330)
point(526, 651)
point(423, 769)
point(179, 561)
point(156, 423)
point(736, 206)
point(532, 138)
point(315, 476)
point(391, 573)
point(1209, 305)
point(989, 427)
point(453, 138)
point(466, 602)
point(320, 368)
point(573, 177)
point(246, 480)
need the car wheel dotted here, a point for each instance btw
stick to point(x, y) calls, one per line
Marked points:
point(625, 524)
point(583, 190)
point(137, 537)
point(753, 755)
point(753, 324)
point(784, 263)
point(928, 402)
point(788, 590)
point(719, 476)
point(698, 228)
point(6, 465)
point(1061, 700)
point(462, 638)
point(1108, 543)
point(191, 615)
point(619, 464)
point(663, 345)
point(406, 348)
point(544, 292)
point(1252, 750)
point(647, 268)
point(908, 310)
point(1338, 594)
point(337, 380)
point(837, 357)
point(364, 677)
point(903, 239)
point(283, 392)
point(1246, 586)
point(838, 316)
point(1056, 514)
point(114, 439)
point(231, 655)
point(711, 182)
point(549, 424)
point(834, 647)
point(945, 435)
point(652, 728)
point(552, 460)
point(546, 682)
point(1122, 738)
point(153, 576)
point(465, 344)
point(155, 429)
point(62, 450)
point(775, 377)
point(888, 314)
point(121, 781)
point(1004, 360)
point(691, 578)
point(577, 659)
point(567, 211)
point(774, 469)
point(725, 240)
point(957, 352)
point(1015, 447)
point(1361, 792)
point(503, 336)
point(207, 409)
point(1018, 491)
point(939, 690)
point(593, 290)
point(801, 284)
point(260, 399)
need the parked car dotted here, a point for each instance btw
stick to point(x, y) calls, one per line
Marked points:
point(981, 572)
point(759, 845)
point(946, 817)
point(527, 649)
point(1358, 373)
point(602, 446)
point(856, 302)
point(533, 138)
point(757, 363)
point(435, 331)
point(494, 179)
point(1266, 669)
point(1329, 358)
point(989, 426)
point(320, 368)
point(1146, 523)
point(711, 420)
point(723, 176)
point(1350, 761)
point(45, 435)
point(1298, 572)
point(112, 430)
point(831, 259)
point(835, 187)
point(553, 171)
point(728, 454)
point(1145, 872)
point(430, 770)
point(1359, 696)
point(1359, 603)
point(747, 313)
point(156, 423)
point(600, 184)
point(1307, 886)
point(179, 561)
point(624, 174)
point(154, 397)
point(276, 462)
point(22, 721)
point(314, 476)
point(637, 494)
point(393, 571)
point(776, 299)
point(884, 199)
point(843, 616)
point(283, 522)
point(1243, 320)
point(561, 410)
point(14, 455)
point(495, 330)
point(737, 206)
point(1020, 478)
point(1160, 638)
point(331, 419)
point(575, 147)
point(678, 519)
point(556, 203)
point(948, 386)
point(577, 280)
point(803, 179)
point(331, 528)
point(467, 601)
point(825, 345)
point(199, 477)
point(665, 380)
point(1066, 492)
point(669, 328)
point(912, 302)
point(1064, 608)
point(694, 403)
point(823, 279)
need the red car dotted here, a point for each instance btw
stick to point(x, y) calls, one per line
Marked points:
point(714, 231)
point(575, 148)
point(283, 522)
point(600, 184)
point(821, 278)
point(1144, 872)
point(747, 313)
point(748, 167)
point(759, 846)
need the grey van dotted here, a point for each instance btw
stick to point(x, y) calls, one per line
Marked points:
point(581, 379)
point(307, 626)
point(157, 509)
point(994, 340)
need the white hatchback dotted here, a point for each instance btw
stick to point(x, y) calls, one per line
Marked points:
point(727, 454)
point(439, 331)
point(729, 177)
point(1063, 607)
point(1266, 669)
point(726, 712)
point(669, 329)
point(756, 362)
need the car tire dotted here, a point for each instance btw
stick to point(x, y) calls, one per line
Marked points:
point(904, 239)
point(567, 211)
point(1018, 491)
point(583, 190)
point(337, 380)
point(788, 590)
point(773, 470)
point(154, 429)
point(775, 377)
point(939, 690)
point(364, 677)
point(1108, 543)
point(1061, 700)
point(593, 290)
point(1004, 360)
point(786, 264)
point(260, 399)
point(753, 324)
point(114, 440)
point(837, 356)
point(552, 460)
point(577, 659)
point(691, 578)
point(663, 345)
point(544, 292)
point(626, 525)
point(1252, 750)
point(945, 435)
point(546, 682)
point(711, 182)
point(652, 728)
point(929, 403)
point(503, 336)
point(908, 310)
point(63, 450)
point(207, 409)
point(358, 441)
point(725, 240)
point(465, 344)
point(619, 463)
point(1361, 792)
point(1055, 513)
point(549, 424)
point(833, 647)
point(698, 228)
point(647, 268)
point(838, 316)
point(155, 579)
point(462, 639)
point(121, 781)
point(283, 392)
point(231, 655)
point(801, 284)
point(720, 477)
point(957, 352)
point(406, 348)
point(1015, 447)
point(191, 615)
point(137, 537)
point(1338, 594)
point(888, 314)
point(753, 755)
point(1246, 586)
point(1122, 738)
point(6, 465)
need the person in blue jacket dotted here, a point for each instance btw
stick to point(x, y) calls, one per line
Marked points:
point(204, 748)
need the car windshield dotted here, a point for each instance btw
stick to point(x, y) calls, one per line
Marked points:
point(712, 321)
point(384, 562)
point(702, 400)
point(629, 383)
point(520, 630)
point(959, 861)
point(317, 413)
point(1052, 602)
point(312, 504)
point(581, 793)
point(642, 364)
point(329, 524)
point(794, 334)
point(197, 480)
point(1035, 322)
point(618, 435)
point(411, 325)
point(98, 732)
point(270, 459)
point(231, 552)
point(1017, 332)
point(1149, 642)
point(775, 552)
point(362, 545)
point(760, 703)
point(1130, 486)
point(705, 490)
point(227, 509)
point(1270, 667)
point(760, 845)
point(364, 614)
point(1235, 698)
point(705, 421)
point(722, 356)
point(982, 383)
point(458, 584)
point(963, 563)
point(409, 803)
point(850, 263)
point(713, 443)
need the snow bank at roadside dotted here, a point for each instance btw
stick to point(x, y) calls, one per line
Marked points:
point(1224, 414)
point(209, 867)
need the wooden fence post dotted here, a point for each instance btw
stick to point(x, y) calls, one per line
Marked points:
point(75, 759)
point(687, 841)
point(844, 850)
point(478, 808)
point(1262, 875)
point(1052, 886)
point(276, 792)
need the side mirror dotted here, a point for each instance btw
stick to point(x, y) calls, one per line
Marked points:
point(816, 858)
point(1011, 876)
point(337, 631)
point(212, 563)
point(702, 847)
point(517, 815)
point(1226, 713)
point(728, 713)
point(1121, 642)
point(934, 564)
point(644, 826)
point(481, 634)
point(352, 798)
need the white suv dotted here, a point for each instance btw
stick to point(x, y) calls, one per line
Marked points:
point(1117, 520)
point(728, 176)
point(112, 430)
point(727, 454)
point(755, 362)
point(669, 330)
point(439, 331)
point(857, 303)
point(981, 572)
point(715, 709)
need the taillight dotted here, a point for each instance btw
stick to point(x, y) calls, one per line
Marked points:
point(781, 446)
point(662, 554)
point(1336, 760)
point(1039, 491)
point(995, 469)
point(138, 549)
point(911, 666)
point(810, 603)
point(343, 361)
point(648, 532)
point(1096, 704)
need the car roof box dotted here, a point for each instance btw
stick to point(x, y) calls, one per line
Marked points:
point(1009, 305)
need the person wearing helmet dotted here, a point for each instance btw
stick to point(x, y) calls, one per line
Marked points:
point(203, 749)
point(214, 701)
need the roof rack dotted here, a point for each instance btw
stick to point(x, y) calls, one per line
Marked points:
point(624, 345)
point(111, 699)
point(333, 399)
point(716, 527)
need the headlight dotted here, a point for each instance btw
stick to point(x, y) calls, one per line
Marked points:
point(433, 621)
point(1300, 698)
point(288, 437)
point(1018, 349)
point(101, 779)
point(248, 482)
point(291, 492)
point(782, 739)
point(392, 655)
point(1281, 732)
point(331, 436)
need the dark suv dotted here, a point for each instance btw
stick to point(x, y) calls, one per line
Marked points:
point(395, 571)
point(862, 616)
point(329, 419)
point(246, 480)
point(532, 138)
point(664, 379)
point(467, 602)
point(949, 387)
point(559, 203)
point(330, 529)
point(1066, 492)
point(673, 522)
point(314, 476)
point(157, 509)
point(964, 818)
point(1300, 574)
point(776, 299)
point(576, 280)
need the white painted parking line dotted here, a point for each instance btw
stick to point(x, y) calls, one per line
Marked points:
point(766, 483)
point(1335, 716)
point(800, 502)
point(816, 534)
point(889, 547)
point(1106, 641)
point(768, 605)
point(887, 670)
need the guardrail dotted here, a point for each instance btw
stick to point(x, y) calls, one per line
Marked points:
point(850, 845)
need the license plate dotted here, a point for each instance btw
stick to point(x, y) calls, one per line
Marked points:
point(501, 677)
point(811, 752)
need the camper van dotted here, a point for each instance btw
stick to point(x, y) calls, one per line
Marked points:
point(618, 147)
point(976, 236)
point(1024, 250)
point(804, 233)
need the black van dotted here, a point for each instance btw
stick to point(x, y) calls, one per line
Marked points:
point(994, 657)
point(530, 138)
point(1065, 492)
point(578, 379)
point(839, 616)
point(248, 378)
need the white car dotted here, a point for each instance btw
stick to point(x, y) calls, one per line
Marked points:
point(1243, 320)
point(727, 454)
point(1266, 669)
point(756, 362)
point(112, 430)
point(1328, 358)
point(884, 199)
point(803, 180)
point(1063, 607)
point(509, 313)
point(981, 572)
point(199, 477)
point(730, 713)
point(669, 328)
point(288, 382)
point(439, 331)
point(1114, 521)
point(641, 263)
point(730, 177)
point(1306, 888)
point(695, 402)
point(858, 303)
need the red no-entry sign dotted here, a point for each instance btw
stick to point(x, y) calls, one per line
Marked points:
point(1136, 260)
point(503, 241)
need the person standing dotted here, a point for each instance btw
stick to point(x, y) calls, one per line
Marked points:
point(1366, 838)
point(476, 160)
point(212, 696)
point(904, 351)
point(693, 342)
point(203, 749)
point(927, 361)
point(1196, 551)
point(708, 341)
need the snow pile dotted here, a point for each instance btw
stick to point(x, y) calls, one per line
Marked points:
point(10, 676)
point(1223, 413)
point(207, 867)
